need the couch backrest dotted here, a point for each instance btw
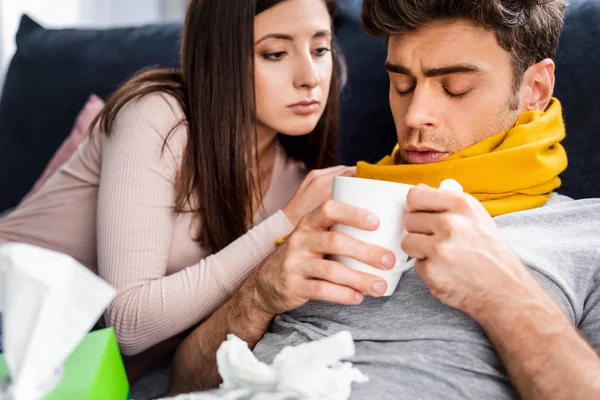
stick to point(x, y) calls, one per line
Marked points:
point(578, 88)
point(49, 79)
point(54, 72)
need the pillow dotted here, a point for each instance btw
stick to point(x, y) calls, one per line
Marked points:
point(80, 131)
point(367, 131)
point(51, 74)
point(578, 89)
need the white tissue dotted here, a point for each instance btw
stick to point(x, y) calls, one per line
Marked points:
point(49, 303)
point(240, 369)
point(311, 369)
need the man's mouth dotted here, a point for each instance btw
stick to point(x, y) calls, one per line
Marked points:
point(423, 155)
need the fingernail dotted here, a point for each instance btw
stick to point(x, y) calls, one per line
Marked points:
point(359, 297)
point(379, 287)
point(387, 260)
point(372, 220)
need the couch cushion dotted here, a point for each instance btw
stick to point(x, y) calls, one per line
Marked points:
point(54, 71)
point(578, 88)
point(367, 131)
point(77, 136)
point(51, 75)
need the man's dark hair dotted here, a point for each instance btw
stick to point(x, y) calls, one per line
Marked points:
point(528, 29)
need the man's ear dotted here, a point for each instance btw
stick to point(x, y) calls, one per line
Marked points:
point(538, 85)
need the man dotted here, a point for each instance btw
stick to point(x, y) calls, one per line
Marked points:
point(504, 301)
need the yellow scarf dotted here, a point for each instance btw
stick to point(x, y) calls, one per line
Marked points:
point(515, 170)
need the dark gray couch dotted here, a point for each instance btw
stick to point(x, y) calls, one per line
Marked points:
point(54, 71)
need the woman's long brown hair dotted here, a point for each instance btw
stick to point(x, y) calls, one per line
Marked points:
point(216, 91)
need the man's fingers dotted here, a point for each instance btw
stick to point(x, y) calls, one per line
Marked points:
point(419, 246)
point(339, 274)
point(441, 224)
point(326, 291)
point(420, 222)
point(340, 244)
point(334, 212)
point(427, 199)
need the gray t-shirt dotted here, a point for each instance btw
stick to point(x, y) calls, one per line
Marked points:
point(412, 346)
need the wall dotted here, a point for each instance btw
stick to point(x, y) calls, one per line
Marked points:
point(98, 13)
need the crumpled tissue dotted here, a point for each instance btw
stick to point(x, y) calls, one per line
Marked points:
point(313, 370)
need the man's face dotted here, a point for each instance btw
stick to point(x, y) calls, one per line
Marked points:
point(451, 86)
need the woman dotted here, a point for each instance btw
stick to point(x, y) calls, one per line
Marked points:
point(181, 164)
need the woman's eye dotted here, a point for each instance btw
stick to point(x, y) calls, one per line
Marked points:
point(274, 56)
point(322, 51)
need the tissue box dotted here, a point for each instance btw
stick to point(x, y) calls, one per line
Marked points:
point(94, 370)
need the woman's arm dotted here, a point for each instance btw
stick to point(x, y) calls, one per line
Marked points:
point(135, 227)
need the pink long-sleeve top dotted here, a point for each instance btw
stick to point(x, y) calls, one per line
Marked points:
point(111, 208)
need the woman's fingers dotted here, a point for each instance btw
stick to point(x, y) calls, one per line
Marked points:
point(337, 169)
point(333, 171)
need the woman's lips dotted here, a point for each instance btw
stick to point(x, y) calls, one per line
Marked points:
point(424, 157)
point(305, 108)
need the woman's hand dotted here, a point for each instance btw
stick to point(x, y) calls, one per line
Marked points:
point(314, 191)
point(298, 271)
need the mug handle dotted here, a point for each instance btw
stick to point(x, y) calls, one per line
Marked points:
point(450, 185)
point(406, 266)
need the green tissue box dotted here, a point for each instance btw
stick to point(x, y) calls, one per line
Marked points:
point(94, 370)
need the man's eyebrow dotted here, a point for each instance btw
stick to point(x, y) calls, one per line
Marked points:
point(289, 37)
point(397, 69)
point(433, 72)
point(451, 69)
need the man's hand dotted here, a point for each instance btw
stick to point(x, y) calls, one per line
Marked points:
point(466, 264)
point(298, 271)
point(292, 275)
point(460, 253)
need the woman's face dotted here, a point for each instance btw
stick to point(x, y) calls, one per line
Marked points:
point(293, 66)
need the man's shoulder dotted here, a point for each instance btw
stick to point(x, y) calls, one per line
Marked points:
point(558, 209)
point(567, 210)
point(558, 198)
point(563, 229)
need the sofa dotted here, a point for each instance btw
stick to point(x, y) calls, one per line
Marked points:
point(53, 72)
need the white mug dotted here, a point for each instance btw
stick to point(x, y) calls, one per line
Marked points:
point(387, 200)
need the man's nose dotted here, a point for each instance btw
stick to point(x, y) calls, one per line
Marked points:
point(422, 112)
